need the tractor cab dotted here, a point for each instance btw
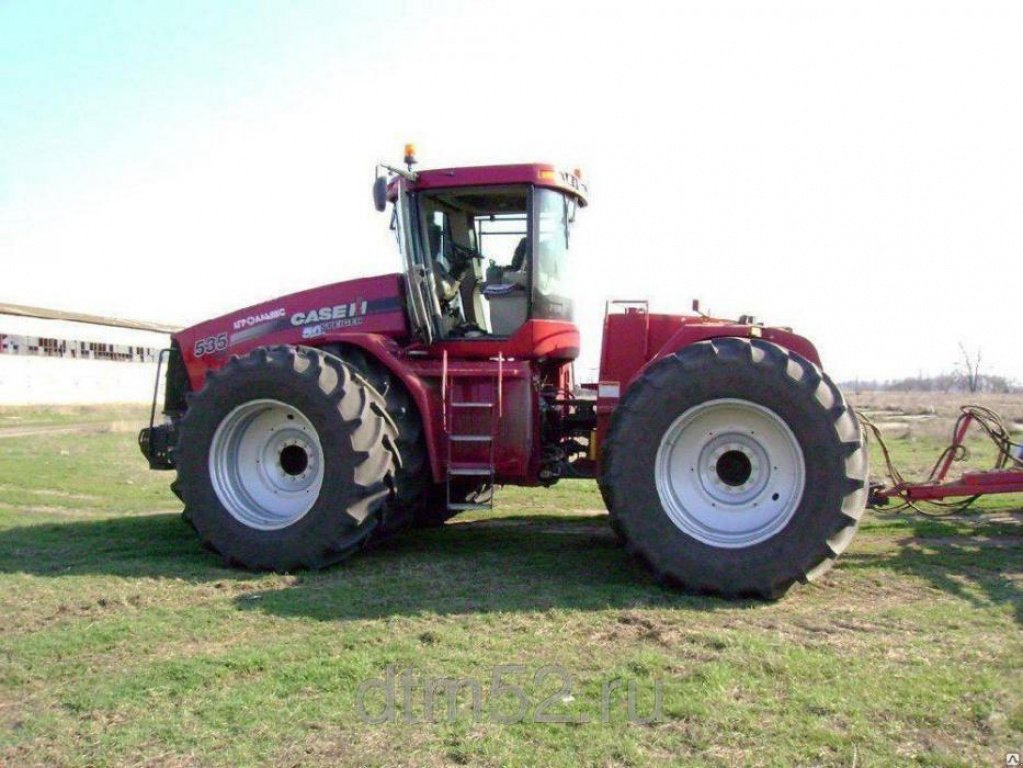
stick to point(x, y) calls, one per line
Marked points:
point(485, 249)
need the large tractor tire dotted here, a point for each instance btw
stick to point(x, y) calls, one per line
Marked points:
point(286, 459)
point(418, 500)
point(412, 476)
point(735, 467)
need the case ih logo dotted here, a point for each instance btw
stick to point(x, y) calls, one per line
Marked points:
point(337, 312)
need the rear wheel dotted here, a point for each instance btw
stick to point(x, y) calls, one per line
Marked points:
point(286, 459)
point(735, 467)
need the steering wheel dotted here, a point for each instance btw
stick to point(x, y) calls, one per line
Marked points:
point(464, 252)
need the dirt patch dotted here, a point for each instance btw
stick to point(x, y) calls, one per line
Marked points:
point(67, 429)
point(997, 542)
point(942, 404)
point(580, 526)
point(51, 492)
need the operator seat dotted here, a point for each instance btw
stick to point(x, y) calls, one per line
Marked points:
point(509, 298)
point(519, 257)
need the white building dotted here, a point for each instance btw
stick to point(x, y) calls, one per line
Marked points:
point(49, 357)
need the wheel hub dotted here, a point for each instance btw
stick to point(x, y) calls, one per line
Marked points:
point(266, 464)
point(729, 473)
point(734, 467)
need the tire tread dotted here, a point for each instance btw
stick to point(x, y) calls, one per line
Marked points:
point(372, 438)
point(761, 358)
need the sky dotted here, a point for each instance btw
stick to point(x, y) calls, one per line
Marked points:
point(853, 170)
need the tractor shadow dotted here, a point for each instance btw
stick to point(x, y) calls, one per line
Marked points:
point(135, 546)
point(509, 564)
point(976, 557)
point(527, 563)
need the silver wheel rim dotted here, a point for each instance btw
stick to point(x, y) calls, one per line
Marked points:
point(730, 473)
point(266, 464)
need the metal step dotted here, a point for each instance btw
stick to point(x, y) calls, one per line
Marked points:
point(462, 470)
point(468, 505)
point(469, 404)
point(476, 373)
point(470, 438)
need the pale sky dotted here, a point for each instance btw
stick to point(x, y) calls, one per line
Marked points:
point(854, 170)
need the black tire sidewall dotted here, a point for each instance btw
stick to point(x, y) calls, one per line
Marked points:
point(305, 540)
point(413, 475)
point(670, 388)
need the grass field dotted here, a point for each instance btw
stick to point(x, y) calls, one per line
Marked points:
point(122, 643)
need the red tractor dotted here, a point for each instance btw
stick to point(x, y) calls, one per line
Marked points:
point(307, 427)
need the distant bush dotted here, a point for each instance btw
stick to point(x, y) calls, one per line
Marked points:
point(945, 382)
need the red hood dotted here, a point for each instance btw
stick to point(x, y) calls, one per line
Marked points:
point(315, 317)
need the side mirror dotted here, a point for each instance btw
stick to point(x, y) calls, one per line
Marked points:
point(380, 193)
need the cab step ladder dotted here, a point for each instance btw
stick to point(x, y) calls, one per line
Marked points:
point(479, 444)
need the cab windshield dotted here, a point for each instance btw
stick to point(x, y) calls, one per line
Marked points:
point(499, 256)
point(551, 297)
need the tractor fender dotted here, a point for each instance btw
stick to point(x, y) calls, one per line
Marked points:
point(692, 334)
point(383, 350)
point(685, 336)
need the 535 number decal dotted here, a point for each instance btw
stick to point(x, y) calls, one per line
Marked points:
point(210, 344)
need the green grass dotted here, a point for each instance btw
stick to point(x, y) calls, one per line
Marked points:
point(17, 417)
point(122, 643)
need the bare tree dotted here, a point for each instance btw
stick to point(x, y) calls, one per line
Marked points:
point(971, 364)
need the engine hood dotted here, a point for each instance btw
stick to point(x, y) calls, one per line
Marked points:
point(314, 317)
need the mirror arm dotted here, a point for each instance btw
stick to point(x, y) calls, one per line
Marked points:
point(407, 175)
point(380, 184)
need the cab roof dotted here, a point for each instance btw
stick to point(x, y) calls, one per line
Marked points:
point(540, 174)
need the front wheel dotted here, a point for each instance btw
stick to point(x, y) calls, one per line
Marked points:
point(286, 459)
point(735, 467)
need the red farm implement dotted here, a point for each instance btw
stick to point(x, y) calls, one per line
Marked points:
point(1005, 477)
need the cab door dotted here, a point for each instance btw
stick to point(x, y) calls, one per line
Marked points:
point(424, 307)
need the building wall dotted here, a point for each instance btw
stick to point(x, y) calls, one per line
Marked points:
point(48, 379)
point(57, 381)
